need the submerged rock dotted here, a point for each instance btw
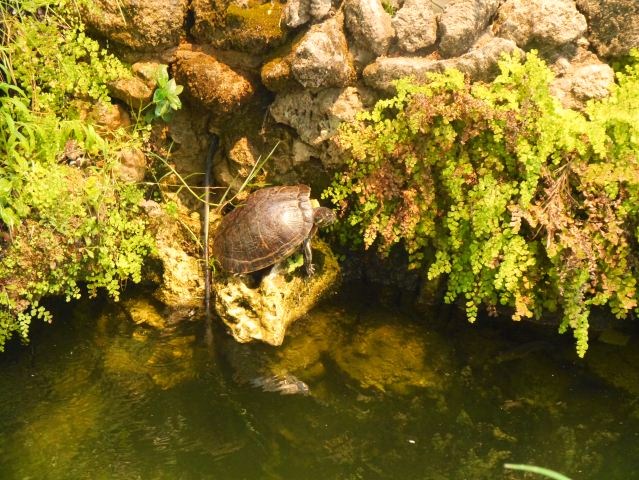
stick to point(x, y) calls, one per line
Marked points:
point(604, 360)
point(265, 312)
point(140, 358)
point(394, 357)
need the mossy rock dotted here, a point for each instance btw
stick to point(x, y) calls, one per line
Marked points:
point(253, 28)
point(394, 357)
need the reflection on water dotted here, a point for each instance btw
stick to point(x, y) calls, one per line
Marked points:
point(392, 395)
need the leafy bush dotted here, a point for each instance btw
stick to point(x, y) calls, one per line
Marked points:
point(60, 225)
point(520, 202)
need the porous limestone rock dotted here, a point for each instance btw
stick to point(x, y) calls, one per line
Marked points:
point(321, 58)
point(369, 24)
point(151, 25)
point(613, 25)
point(299, 12)
point(478, 64)
point(539, 23)
point(582, 78)
point(316, 116)
point(462, 23)
point(182, 287)
point(265, 312)
point(415, 25)
point(213, 84)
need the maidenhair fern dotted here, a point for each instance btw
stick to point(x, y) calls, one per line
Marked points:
point(525, 204)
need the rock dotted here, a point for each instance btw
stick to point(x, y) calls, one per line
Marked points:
point(316, 117)
point(151, 25)
point(581, 79)
point(214, 85)
point(143, 312)
point(110, 116)
point(277, 75)
point(481, 62)
point(385, 70)
point(147, 72)
point(264, 313)
point(296, 13)
point(254, 27)
point(369, 24)
point(604, 360)
point(139, 358)
point(478, 64)
point(321, 58)
point(394, 357)
point(415, 25)
point(187, 142)
point(538, 24)
point(299, 12)
point(132, 165)
point(132, 91)
point(182, 287)
point(462, 23)
point(613, 25)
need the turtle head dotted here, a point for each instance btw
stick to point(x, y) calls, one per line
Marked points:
point(322, 217)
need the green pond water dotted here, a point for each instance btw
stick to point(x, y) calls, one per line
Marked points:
point(393, 395)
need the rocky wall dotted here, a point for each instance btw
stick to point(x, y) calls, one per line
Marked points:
point(258, 73)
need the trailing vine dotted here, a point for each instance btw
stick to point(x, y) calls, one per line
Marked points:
point(521, 203)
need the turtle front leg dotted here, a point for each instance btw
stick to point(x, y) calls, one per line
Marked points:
point(308, 257)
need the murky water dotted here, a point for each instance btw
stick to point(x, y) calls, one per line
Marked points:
point(392, 396)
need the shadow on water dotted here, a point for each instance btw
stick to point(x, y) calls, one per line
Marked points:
point(392, 395)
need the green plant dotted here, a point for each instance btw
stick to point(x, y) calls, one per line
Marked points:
point(515, 200)
point(66, 229)
point(166, 98)
point(54, 62)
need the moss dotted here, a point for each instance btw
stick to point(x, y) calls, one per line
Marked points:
point(255, 29)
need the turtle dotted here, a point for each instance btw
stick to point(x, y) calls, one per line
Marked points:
point(268, 227)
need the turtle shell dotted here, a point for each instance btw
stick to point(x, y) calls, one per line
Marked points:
point(268, 227)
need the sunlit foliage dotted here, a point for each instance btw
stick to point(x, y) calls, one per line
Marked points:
point(66, 227)
point(515, 200)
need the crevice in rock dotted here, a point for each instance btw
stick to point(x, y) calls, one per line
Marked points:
point(189, 20)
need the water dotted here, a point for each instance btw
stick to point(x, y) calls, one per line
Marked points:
point(392, 396)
